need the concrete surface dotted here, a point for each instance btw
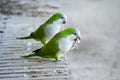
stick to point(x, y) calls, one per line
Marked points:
point(96, 57)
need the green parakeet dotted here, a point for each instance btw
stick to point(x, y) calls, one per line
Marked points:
point(47, 30)
point(61, 43)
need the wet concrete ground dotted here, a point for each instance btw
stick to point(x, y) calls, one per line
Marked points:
point(97, 56)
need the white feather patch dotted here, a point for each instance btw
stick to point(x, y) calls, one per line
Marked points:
point(52, 29)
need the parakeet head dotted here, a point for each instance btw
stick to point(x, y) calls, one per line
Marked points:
point(74, 34)
point(58, 18)
point(78, 35)
point(70, 33)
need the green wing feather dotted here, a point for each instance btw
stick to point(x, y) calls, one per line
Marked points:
point(39, 34)
point(50, 50)
point(54, 17)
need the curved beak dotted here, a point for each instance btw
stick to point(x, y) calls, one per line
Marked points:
point(78, 39)
point(64, 22)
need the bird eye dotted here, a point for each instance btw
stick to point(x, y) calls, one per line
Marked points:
point(62, 17)
point(75, 33)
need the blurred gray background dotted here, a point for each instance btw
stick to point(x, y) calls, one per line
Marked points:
point(97, 57)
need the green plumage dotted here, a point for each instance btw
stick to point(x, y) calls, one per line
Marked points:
point(51, 49)
point(39, 34)
point(56, 16)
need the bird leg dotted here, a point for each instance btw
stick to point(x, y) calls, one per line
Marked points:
point(57, 58)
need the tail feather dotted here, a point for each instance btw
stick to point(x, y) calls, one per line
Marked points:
point(37, 52)
point(26, 37)
point(34, 53)
point(30, 55)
